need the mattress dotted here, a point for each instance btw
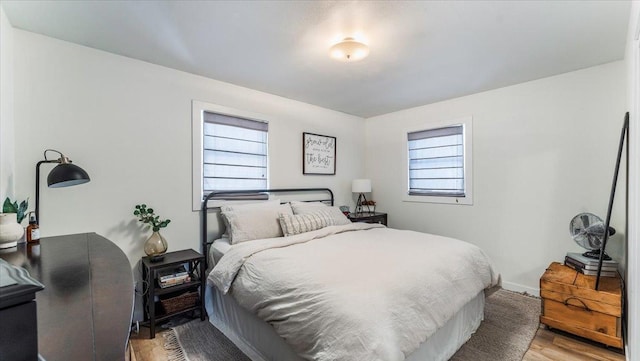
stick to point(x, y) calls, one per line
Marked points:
point(218, 248)
point(258, 340)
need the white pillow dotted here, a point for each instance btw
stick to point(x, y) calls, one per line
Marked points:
point(301, 223)
point(306, 207)
point(335, 213)
point(246, 222)
point(242, 206)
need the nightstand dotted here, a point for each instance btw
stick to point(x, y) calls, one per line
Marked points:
point(369, 217)
point(570, 303)
point(162, 303)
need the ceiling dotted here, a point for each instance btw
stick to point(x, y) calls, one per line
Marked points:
point(421, 51)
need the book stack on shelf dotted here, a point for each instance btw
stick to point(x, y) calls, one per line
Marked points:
point(173, 276)
point(589, 266)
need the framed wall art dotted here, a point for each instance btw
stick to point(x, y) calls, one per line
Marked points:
point(318, 154)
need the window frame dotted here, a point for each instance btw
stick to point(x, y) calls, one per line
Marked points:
point(467, 134)
point(197, 141)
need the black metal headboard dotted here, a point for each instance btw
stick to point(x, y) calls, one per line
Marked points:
point(229, 195)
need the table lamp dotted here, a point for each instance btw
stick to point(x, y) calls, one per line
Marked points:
point(360, 186)
point(64, 174)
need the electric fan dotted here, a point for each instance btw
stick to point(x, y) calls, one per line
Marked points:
point(587, 230)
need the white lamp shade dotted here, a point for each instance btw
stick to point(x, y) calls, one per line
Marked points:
point(361, 186)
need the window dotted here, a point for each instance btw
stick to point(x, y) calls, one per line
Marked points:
point(436, 162)
point(229, 151)
point(439, 163)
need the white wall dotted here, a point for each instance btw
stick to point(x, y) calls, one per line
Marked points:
point(7, 143)
point(128, 124)
point(543, 151)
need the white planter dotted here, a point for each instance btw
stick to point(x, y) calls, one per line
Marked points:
point(10, 230)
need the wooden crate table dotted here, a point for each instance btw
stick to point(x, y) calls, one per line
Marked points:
point(570, 303)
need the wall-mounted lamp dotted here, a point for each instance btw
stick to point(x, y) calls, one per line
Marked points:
point(349, 49)
point(360, 186)
point(64, 174)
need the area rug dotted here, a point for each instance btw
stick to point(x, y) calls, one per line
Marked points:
point(200, 341)
point(510, 323)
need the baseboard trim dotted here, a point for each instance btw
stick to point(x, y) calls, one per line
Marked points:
point(520, 288)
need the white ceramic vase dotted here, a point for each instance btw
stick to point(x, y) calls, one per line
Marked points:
point(155, 246)
point(10, 230)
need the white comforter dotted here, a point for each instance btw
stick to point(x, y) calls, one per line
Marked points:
point(354, 292)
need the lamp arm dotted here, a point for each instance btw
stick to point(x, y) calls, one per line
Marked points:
point(63, 159)
point(37, 211)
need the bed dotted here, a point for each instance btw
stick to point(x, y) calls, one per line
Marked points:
point(326, 289)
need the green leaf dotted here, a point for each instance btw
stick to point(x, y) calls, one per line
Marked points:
point(8, 207)
point(147, 216)
point(13, 207)
point(20, 215)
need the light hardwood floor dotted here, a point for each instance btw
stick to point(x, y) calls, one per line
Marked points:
point(145, 349)
point(546, 346)
point(555, 345)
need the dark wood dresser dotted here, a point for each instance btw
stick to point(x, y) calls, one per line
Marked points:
point(85, 309)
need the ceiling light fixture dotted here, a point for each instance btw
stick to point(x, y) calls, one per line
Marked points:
point(349, 50)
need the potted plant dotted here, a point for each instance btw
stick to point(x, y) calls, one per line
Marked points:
point(13, 207)
point(12, 215)
point(369, 204)
point(155, 246)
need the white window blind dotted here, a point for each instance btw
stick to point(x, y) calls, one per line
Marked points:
point(234, 153)
point(436, 162)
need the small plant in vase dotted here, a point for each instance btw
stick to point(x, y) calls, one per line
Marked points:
point(155, 246)
point(370, 205)
point(13, 207)
point(11, 231)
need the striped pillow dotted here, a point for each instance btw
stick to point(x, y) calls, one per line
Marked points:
point(338, 218)
point(301, 223)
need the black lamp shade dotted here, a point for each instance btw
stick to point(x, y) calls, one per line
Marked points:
point(65, 175)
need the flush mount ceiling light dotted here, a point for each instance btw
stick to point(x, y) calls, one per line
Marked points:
point(349, 50)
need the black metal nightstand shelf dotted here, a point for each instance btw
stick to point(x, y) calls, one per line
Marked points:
point(368, 217)
point(153, 310)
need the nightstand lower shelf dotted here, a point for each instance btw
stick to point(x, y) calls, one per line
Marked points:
point(160, 317)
